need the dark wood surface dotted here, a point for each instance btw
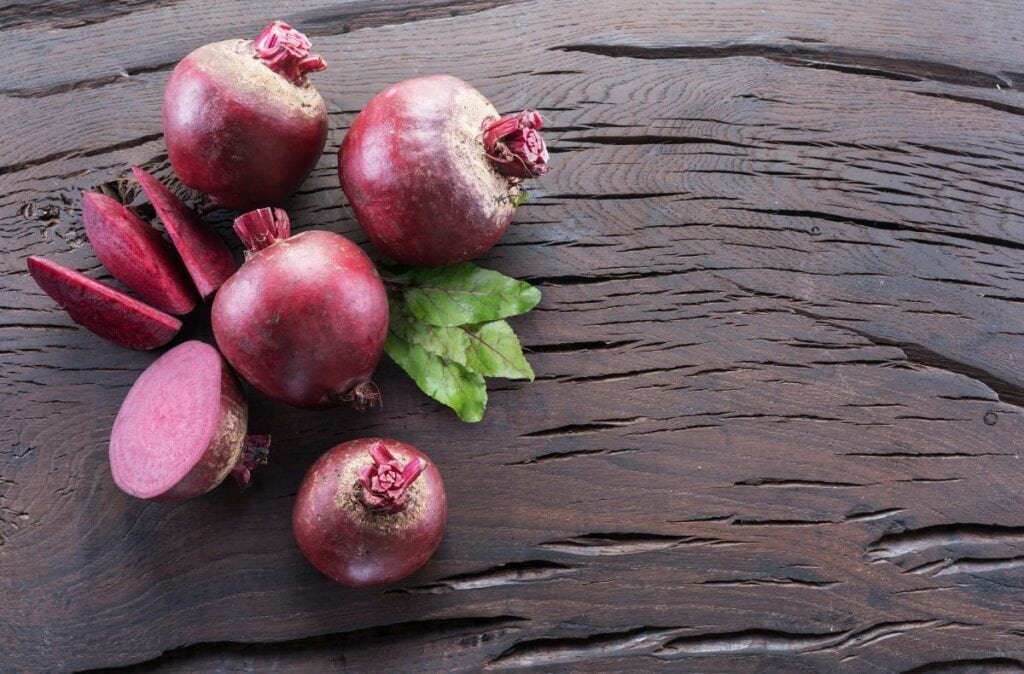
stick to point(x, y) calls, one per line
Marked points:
point(776, 424)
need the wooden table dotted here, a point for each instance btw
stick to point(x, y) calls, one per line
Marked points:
point(776, 425)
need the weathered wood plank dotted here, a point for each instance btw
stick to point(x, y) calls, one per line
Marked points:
point(776, 420)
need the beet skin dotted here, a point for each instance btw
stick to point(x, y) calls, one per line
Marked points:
point(370, 512)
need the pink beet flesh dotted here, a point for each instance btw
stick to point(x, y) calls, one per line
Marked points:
point(241, 121)
point(136, 254)
point(305, 318)
point(181, 429)
point(102, 310)
point(361, 521)
point(207, 258)
point(423, 183)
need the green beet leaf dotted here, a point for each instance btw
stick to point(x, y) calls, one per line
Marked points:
point(494, 351)
point(443, 380)
point(491, 349)
point(463, 294)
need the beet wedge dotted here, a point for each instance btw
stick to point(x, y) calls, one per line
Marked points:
point(103, 310)
point(181, 429)
point(207, 258)
point(137, 255)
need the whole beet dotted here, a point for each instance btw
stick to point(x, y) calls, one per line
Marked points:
point(241, 121)
point(305, 318)
point(370, 511)
point(433, 172)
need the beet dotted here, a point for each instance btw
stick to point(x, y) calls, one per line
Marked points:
point(370, 512)
point(241, 121)
point(103, 310)
point(182, 428)
point(305, 318)
point(136, 255)
point(207, 258)
point(433, 174)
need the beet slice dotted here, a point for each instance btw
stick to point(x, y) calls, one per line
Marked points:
point(137, 255)
point(103, 310)
point(207, 258)
point(182, 428)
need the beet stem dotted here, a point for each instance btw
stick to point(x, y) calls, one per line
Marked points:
point(286, 51)
point(262, 227)
point(515, 147)
point(254, 454)
point(386, 481)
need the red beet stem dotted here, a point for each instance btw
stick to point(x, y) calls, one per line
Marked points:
point(254, 454)
point(514, 145)
point(286, 51)
point(386, 481)
point(262, 227)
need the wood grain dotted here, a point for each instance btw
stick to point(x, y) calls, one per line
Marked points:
point(777, 414)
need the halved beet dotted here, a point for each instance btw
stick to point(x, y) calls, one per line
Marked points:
point(207, 258)
point(103, 310)
point(136, 254)
point(182, 428)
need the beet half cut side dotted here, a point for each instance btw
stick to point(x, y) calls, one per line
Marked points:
point(137, 255)
point(207, 258)
point(181, 430)
point(103, 310)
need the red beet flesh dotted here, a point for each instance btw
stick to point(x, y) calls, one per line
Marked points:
point(136, 255)
point(364, 516)
point(181, 429)
point(207, 258)
point(305, 318)
point(241, 121)
point(103, 310)
point(433, 173)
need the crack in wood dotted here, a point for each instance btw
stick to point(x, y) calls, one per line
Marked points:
point(81, 152)
point(995, 665)
point(666, 643)
point(582, 429)
point(916, 541)
point(572, 454)
point(354, 16)
point(795, 582)
point(984, 102)
point(849, 61)
point(513, 573)
point(613, 544)
point(335, 641)
point(549, 651)
point(785, 483)
point(91, 83)
point(572, 347)
point(762, 642)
